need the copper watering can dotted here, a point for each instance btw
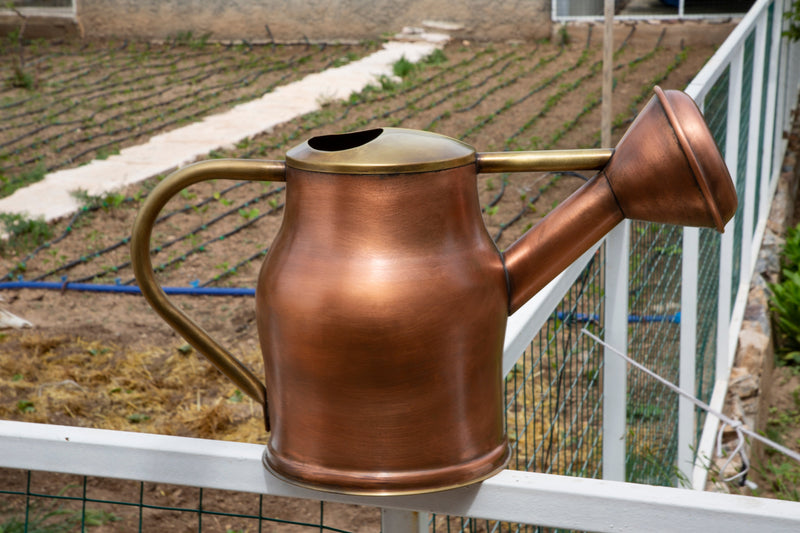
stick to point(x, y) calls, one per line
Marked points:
point(382, 304)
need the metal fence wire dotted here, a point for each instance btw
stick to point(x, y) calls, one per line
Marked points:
point(554, 392)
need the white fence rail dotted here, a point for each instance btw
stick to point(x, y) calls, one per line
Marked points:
point(755, 70)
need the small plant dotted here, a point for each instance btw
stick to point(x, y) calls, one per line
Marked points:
point(249, 214)
point(403, 68)
point(785, 300)
point(91, 201)
point(436, 57)
point(54, 519)
point(33, 175)
point(23, 233)
point(790, 256)
point(793, 16)
point(20, 78)
point(785, 303)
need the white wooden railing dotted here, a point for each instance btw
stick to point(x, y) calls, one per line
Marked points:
point(609, 504)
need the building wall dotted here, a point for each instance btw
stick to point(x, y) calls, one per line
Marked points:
point(317, 20)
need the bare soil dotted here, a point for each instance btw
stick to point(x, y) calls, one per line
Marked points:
point(107, 361)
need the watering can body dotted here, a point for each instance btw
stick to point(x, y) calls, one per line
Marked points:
point(382, 303)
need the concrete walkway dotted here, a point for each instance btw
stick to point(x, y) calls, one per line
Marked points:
point(51, 198)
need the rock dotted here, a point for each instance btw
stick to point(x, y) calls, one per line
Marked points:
point(743, 386)
point(12, 321)
point(753, 348)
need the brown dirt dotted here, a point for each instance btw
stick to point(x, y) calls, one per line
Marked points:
point(106, 361)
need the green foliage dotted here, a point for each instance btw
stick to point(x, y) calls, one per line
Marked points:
point(23, 233)
point(793, 16)
point(790, 256)
point(403, 68)
point(187, 38)
point(785, 301)
point(106, 201)
point(25, 178)
point(437, 57)
point(52, 518)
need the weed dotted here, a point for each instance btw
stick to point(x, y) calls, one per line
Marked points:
point(106, 152)
point(403, 68)
point(105, 201)
point(437, 57)
point(54, 519)
point(785, 303)
point(20, 78)
point(23, 233)
point(27, 177)
point(25, 406)
point(186, 195)
point(249, 214)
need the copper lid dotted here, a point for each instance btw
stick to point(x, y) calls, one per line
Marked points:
point(380, 151)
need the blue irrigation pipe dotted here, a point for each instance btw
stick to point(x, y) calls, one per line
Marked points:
point(126, 289)
point(247, 291)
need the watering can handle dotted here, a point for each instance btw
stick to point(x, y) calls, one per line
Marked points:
point(543, 160)
point(247, 170)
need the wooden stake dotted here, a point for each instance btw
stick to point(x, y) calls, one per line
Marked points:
point(608, 71)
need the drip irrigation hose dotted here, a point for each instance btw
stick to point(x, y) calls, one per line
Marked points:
point(249, 291)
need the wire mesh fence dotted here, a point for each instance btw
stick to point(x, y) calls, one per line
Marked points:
point(554, 399)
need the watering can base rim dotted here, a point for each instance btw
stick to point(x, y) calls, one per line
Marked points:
point(371, 483)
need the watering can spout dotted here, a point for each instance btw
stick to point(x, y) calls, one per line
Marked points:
point(666, 169)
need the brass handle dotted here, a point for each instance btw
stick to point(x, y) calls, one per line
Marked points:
point(247, 170)
point(544, 160)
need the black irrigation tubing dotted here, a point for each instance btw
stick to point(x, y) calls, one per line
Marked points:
point(593, 69)
point(97, 61)
point(481, 124)
point(23, 101)
point(87, 209)
point(422, 83)
point(160, 89)
point(525, 208)
point(201, 247)
point(168, 244)
point(98, 92)
point(301, 129)
point(58, 85)
point(425, 81)
point(408, 104)
point(22, 264)
point(76, 103)
point(83, 120)
point(190, 103)
point(232, 270)
point(138, 133)
point(499, 196)
point(680, 57)
point(550, 102)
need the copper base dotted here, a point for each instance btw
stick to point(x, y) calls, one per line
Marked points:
point(371, 483)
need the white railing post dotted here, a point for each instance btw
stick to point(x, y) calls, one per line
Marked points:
point(724, 348)
point(688, 351)
point(614, 368)
point(749, 252)
point(781, 98)
point(769, 172)
point(399, 521)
